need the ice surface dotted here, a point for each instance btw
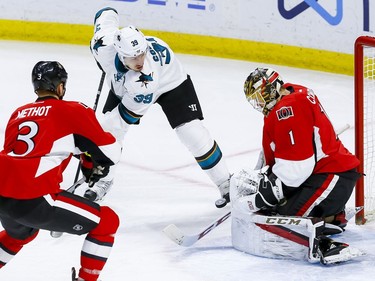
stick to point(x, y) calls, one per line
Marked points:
point(158, 182)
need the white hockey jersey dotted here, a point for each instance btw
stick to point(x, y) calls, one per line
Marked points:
point(161, 73)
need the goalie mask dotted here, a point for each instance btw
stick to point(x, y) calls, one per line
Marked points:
point(262, 89)
point(131, 46)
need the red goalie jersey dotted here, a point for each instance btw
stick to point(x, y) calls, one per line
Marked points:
point(40, 139)
point(299, 139)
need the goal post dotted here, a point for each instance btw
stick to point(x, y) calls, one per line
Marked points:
point(364, 90)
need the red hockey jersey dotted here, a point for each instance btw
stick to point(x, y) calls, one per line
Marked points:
point(299, 139)
point(41, 138)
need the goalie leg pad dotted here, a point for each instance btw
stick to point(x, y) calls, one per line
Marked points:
point(266, 240)
point(277, 236)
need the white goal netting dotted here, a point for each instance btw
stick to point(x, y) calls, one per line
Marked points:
point(369, 130)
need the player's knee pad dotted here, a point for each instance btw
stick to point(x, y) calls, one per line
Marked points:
point(195, 137)
point(109, 223)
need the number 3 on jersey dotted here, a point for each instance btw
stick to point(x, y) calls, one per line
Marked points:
point(32, 131)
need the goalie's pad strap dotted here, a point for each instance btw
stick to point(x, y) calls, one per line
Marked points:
point(277, 190)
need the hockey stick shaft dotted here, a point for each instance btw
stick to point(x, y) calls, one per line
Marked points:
point(177, 236)
point(98, 93)
point(76, 185)
point(341, 130)
point(100, 87)
point(182, 239)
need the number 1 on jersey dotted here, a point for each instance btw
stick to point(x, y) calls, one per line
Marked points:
point(291, 137)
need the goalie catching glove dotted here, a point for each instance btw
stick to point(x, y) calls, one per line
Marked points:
point(256, 190)
point(90, 171)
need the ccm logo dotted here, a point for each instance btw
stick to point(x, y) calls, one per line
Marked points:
point(282, 221)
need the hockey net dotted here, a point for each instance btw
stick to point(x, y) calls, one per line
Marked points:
point(364, 77)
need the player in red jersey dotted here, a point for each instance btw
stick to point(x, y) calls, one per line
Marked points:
point(310, 171)
point(40, 139)
point(305, 170)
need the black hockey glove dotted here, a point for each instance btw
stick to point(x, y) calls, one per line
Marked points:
point(90, 171)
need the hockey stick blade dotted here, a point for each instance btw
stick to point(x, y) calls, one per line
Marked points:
point(177, 236)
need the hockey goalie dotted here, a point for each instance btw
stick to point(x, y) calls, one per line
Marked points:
point(294, 200)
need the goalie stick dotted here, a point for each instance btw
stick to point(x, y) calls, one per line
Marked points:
point(179, 237)
point(182, 239)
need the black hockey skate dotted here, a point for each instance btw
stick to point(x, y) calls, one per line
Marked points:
point(333, 252)
point(74, 278)
point(74, 275)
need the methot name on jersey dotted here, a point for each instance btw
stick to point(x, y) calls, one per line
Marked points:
point(34, 111)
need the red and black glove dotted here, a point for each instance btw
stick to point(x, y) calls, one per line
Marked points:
point(90, 171)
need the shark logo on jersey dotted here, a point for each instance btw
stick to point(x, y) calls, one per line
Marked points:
point(121, 70)
point(284, 113)
point(145, 78)
point(98, 43)
point(118, 76)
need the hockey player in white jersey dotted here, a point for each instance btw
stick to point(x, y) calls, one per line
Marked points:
point(143, 70)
